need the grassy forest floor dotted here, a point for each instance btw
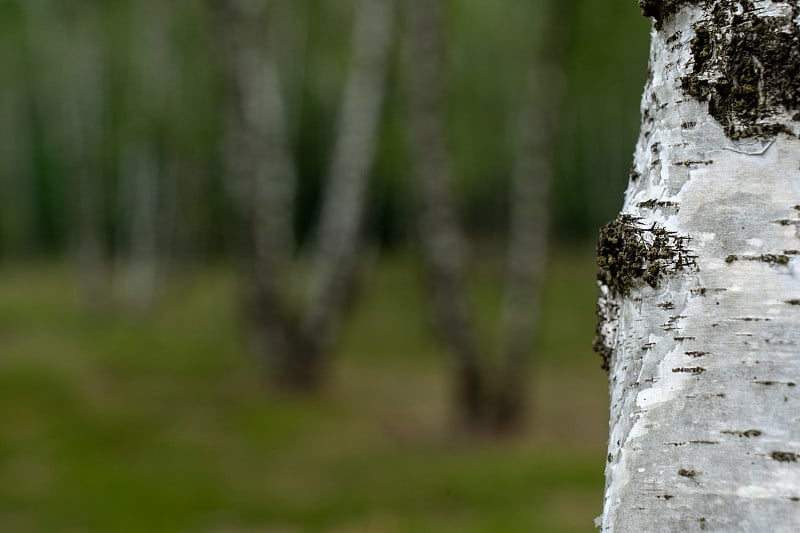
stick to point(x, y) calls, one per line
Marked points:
point(120, 423)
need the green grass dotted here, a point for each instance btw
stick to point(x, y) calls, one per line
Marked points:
point(113, 422)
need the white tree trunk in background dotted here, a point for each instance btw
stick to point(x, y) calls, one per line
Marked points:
point(441, 237)
point(339, 229)
point(18, 210)
point(295, 338)
point(141, 177)
point(142, 202)
point(699, 295)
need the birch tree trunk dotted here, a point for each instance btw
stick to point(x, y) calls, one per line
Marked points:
point(339, 230)
point(140, 175)
point(700, 321)
point(260, 177)
point(296, 338)
point(531, 179)
point(443, 244)
point(152, 68)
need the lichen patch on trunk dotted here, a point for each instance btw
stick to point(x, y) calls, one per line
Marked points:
point(631, 253)
point(747, 67)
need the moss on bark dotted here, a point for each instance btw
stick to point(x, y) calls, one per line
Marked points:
point(747, 67)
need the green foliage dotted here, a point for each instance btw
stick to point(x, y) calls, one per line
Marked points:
point(160, 64)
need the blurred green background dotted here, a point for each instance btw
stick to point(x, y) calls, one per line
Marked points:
point(162, 420)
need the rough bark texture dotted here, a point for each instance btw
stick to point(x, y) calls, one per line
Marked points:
point(699, 281)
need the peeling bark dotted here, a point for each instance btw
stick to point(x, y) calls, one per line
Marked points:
point(704, 433)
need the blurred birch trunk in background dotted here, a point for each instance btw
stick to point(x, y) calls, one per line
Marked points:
point(441, 238)
point(485, 399)
point(143, 202)
point(295, 338)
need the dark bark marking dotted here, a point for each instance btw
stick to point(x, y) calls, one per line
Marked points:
point(769, 382)
point(629, 251)
point(776, 259)
point(784, 457)
point(747, 434)
point(689, 370)
point(746, 66)
point(653, 203)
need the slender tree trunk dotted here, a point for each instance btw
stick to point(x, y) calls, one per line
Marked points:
point(84, 135)
point(699, 279)
point(140, 172)
point(260, 176)
point(298, 337)
point(152, 78)
point(443, 244)
point(531, 178)
point(339, 231)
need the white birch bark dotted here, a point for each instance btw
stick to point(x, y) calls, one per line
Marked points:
point(339, 229)
point(260, 177)
point(531, 179)
point(704, 428)
point(262, 173)
point(442, 240)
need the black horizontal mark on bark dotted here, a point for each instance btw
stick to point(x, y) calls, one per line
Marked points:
point(778, 259)
point(784, 457)
point(748, 433)
point(690, 163)
point(690, 369)
point(769, 382)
